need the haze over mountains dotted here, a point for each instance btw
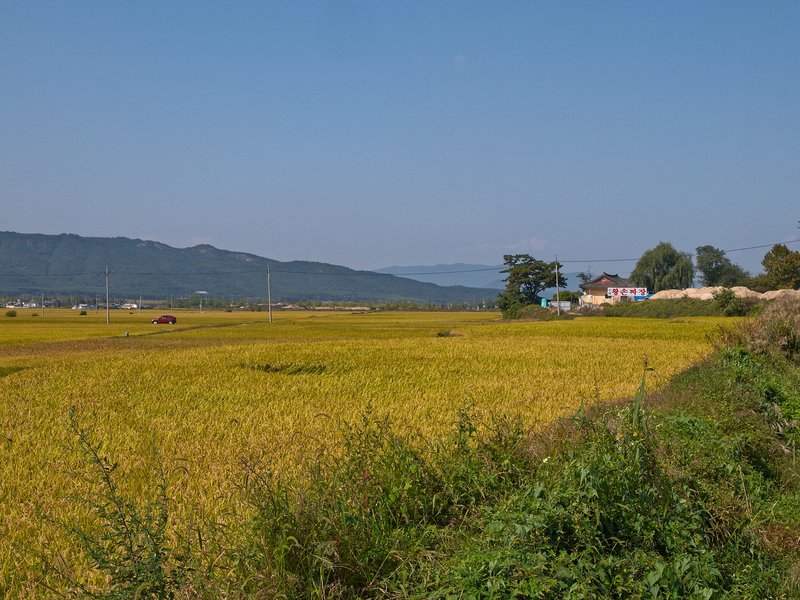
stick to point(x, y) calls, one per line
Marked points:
point(72, 264)
point(483, 276)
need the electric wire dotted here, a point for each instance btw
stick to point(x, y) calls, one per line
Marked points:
point(351, 272)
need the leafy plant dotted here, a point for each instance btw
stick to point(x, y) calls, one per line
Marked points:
point(729, 303)
point(131, 545)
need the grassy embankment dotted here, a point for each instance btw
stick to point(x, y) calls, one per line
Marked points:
point(724, 304)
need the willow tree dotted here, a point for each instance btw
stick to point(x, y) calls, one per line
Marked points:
point(663, 268)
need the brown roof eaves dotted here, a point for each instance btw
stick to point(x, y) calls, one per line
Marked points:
point(606, 280)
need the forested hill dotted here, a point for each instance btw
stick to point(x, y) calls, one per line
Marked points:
point(71, 264)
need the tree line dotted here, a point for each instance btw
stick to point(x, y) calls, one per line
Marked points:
point(659, 268)
point(664, 267)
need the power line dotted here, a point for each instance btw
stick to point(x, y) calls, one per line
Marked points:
point(148, 273)
point(689, 253)
point(761, 246)
point(443, 272)
point(605, 260)
point(354, 273)
point(50, 274)
point(586, 261)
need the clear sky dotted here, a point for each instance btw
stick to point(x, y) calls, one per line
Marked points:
point(369, 134)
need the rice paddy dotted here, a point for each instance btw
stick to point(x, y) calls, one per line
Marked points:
point(221, 388)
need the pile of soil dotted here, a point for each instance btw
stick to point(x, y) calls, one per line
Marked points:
point(707, 293)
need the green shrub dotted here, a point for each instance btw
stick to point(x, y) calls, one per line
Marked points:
point(683, 307)
point(537, 313)
point(367, 514)
point(509, 305)
point(664, 309)
point(131, 546)
point(619, 512)
point(11, 313)
point(729, 304)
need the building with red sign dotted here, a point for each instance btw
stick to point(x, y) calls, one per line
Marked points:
point(596, 291)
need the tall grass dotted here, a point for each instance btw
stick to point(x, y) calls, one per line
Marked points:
point(130, 544)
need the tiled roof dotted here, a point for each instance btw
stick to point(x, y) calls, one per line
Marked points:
point(606, 280)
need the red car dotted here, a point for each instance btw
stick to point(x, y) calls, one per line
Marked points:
point(165, 319)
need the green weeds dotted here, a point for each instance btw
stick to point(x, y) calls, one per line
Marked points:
point(130, 545)
point(725, 303)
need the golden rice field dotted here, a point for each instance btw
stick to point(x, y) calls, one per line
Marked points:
point(220, 388)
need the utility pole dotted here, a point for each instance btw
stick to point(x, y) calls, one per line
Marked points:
point(108, 316)
point(140, 305)
point(558, 303)
point(202, 294)
point(269, 294)
point(42, 303)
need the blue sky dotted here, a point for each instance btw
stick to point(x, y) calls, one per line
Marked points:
point(374, 133)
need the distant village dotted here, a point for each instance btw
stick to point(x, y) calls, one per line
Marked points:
point(129, 306)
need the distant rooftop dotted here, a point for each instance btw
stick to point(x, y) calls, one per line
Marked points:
point(606, 280)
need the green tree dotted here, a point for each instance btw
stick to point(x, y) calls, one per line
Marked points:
point(663, 268)
point(729, 303)
point(565, 295)
point(527, 278)
point(717, 269)
point(782, 268)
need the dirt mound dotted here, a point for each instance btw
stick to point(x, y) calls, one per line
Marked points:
point(772, 294)
point(703, 293)
point(707, 293)
point(668, 295)
point(743, 292)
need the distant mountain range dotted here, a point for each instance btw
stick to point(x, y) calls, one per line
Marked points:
point(74, 265)
point(484, 276)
